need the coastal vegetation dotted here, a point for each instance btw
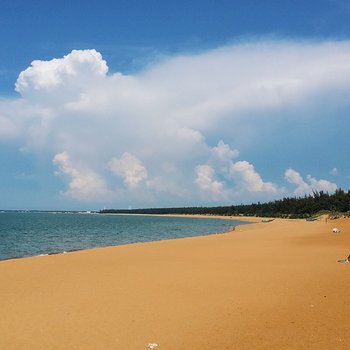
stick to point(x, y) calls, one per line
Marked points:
point(319, 202)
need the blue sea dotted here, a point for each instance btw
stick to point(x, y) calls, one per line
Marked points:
point(24, 234)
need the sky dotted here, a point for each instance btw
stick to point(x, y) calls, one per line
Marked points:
point(133, 104)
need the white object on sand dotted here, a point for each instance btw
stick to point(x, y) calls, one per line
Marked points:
point(152, 345)
point(336, 230)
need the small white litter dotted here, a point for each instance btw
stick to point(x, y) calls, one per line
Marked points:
point(335, 230)
point(152, 345)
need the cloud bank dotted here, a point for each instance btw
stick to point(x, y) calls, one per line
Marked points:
point(172, 131)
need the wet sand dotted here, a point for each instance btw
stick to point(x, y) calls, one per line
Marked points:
point(273, 285)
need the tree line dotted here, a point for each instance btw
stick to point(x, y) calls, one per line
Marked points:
point(289, 207)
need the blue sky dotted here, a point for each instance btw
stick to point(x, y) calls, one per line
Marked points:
point(159, 103)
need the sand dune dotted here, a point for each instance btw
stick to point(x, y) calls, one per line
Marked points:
point(270, 285)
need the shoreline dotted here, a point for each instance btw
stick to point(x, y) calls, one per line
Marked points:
point(196, 216)
point(273, 285)
point(230, 229)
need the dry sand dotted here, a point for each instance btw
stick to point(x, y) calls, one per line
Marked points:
point(274, 285)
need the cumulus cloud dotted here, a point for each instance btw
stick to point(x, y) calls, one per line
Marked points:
point(84, 184)
point(311, 184)
point(170, 113)
point(206, 181)
point(80, 66)
point(237, 178)
point(130, 168)
point(224, 152)
point(246, 176)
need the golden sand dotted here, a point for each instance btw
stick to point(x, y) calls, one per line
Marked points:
point(273, 285)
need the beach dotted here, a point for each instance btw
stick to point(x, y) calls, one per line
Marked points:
point(274, 285)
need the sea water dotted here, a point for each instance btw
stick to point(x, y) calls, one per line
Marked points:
point(24, 234)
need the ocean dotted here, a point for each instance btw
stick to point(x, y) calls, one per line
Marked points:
point(24, 234)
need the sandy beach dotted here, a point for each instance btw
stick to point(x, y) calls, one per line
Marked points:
point(273, 285)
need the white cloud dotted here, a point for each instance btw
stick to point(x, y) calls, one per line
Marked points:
point(77, 67)
point(248, 179)
point(238, 179)
point(223, 152)
point(206, 182)
point(84, 184)
point(221, 158)
point(171, 112)
point(311, 184)
point(21, 119)
point(130, 168)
